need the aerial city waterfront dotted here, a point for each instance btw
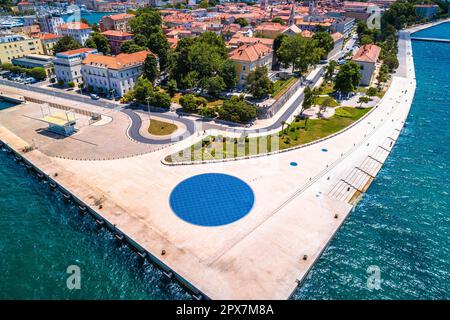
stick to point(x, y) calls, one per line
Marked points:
point(224, 150)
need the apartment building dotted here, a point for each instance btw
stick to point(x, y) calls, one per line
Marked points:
point(249, 56)
point(77, 30)
point(366, 58)
point(68, 65)
point(50, 23)
point(113, 76)
point(17, 46)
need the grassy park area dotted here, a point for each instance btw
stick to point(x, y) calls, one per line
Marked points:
point(161, 128)
point(299, 132)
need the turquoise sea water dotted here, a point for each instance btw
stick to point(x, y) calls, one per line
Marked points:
point(402, 224)
point(5, 104)
point(92, 17)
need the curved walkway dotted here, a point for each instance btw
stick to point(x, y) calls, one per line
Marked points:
point(136, 123)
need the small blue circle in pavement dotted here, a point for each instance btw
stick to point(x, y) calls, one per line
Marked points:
point(324, 150)
point(294, 164)
point(212, 199)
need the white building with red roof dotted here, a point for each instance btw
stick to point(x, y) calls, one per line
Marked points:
point(249, 56)
point(68, 65)
point(113, 75)
point(367, 57)
point(78, 30)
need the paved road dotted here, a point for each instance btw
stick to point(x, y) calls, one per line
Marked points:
point(136, 123)
point(189, 123)
point(60, 94)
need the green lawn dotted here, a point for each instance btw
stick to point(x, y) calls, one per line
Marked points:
point(319, 101)
point(161, 128)
point(326, 88)
point(297, 133)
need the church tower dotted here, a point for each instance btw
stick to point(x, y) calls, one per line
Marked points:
point(291, 20)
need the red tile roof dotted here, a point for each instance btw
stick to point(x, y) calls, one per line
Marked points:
point(116, 33)
point(367, 53)
point(238, 40)
point(75, 26)
point(118, 62)
point(250, 52)
point(121, 16)
point(76, 51)
point(48, 36)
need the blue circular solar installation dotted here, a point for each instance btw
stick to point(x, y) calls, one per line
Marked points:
point(212, 199)
point(294, 164)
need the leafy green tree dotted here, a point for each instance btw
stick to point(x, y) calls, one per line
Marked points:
point(140, 40)
point(372, 91)
point(278, 20)
point(299, 52)
point(325, 42)
point(348, 78)
point(197, 59)
point(276, 45)
point(258, 83)
point(366, 39)
point(191, 103)
point(392, 62)
point(158, 44)
point(98, 41)
point(330, 70)
point(172, 87)
point(142, 91)
point(242, 22)
point(237, 110)
point(66, 43)
point(362, 100)
point(308, 98)
point(160, 99)
point(383, 74)
point(150, 68)
point(399, 14)
point(131, 47)
point(146, 22)
point(38, 73)
point(228, 74)
point(214, 85)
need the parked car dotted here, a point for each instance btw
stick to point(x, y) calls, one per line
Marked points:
point(94, 96)
point(29, 80)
